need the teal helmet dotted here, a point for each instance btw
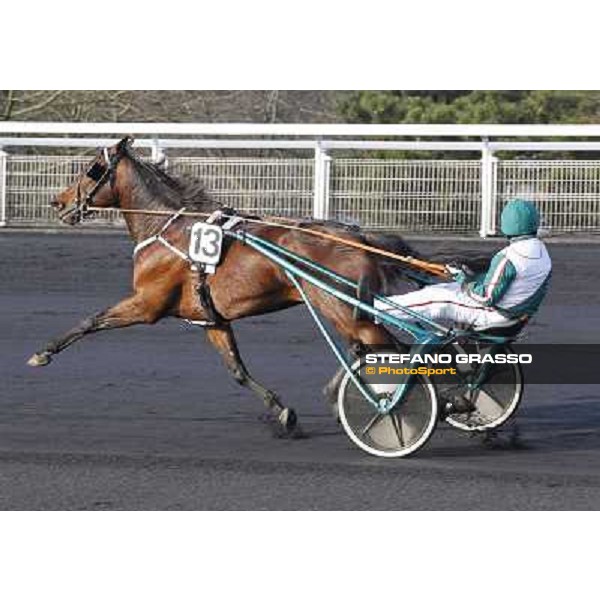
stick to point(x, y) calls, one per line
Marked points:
point(519, 217)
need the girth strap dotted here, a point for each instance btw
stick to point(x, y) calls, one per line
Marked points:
point(206, 301)
point(203, 288)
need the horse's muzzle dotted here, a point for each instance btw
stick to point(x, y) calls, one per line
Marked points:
point(70, 215)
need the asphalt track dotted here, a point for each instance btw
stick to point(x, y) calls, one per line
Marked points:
point(147, 418)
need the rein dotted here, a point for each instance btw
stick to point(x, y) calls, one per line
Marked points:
point(283, 223)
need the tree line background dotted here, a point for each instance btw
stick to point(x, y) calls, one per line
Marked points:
point(287, 106)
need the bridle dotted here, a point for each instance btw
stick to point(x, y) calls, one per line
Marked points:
point(99, 174)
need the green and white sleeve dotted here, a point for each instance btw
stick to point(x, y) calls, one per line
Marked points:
point(496, 282)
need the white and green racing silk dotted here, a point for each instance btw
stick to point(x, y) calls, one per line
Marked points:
point(517, 279)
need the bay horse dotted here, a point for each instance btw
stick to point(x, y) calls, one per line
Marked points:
point(245, 283)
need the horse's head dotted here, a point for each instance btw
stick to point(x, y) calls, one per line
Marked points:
point(94, 187)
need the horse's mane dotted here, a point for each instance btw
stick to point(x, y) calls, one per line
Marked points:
point(165, 189)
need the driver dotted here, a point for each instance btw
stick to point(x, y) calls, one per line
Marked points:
point(512, 288)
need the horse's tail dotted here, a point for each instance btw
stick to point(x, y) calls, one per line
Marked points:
point(390, 242)
point(393, 275)
point(477, 259)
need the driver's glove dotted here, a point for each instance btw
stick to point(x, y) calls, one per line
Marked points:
point(459, 273)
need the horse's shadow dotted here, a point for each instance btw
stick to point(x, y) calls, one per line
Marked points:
point(569, 426)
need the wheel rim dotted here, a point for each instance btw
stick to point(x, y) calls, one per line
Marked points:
point(399, 433)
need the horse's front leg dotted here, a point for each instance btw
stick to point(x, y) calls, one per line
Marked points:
point(131, 311)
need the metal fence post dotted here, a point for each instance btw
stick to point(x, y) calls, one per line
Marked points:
point(494, 195)
point(157, 152)
point(3, 199)
point(322, 172)
point(488, 192)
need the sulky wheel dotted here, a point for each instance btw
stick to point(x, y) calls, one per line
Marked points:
point(402, 431)
point(495, 392)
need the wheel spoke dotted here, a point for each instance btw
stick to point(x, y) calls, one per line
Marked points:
point(397, 428)
point(371, 423)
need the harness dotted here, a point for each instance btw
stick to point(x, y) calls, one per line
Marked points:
point(158, 237)
point(231, 222)
point(98, 174)
point(202, 286)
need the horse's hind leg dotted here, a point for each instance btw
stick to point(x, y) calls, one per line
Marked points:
point(361, 334)
point(221, 337)
point(330, 391)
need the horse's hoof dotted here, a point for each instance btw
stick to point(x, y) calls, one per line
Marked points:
point(288, 419)
point(39, 360)
point(285, 425)
point(288, 427)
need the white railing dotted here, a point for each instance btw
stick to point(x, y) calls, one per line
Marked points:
point(329, 171)
point(567, 192)
point(281, 186)
point(408, 195)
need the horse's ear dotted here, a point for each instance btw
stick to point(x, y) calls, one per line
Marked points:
point(124, 144)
